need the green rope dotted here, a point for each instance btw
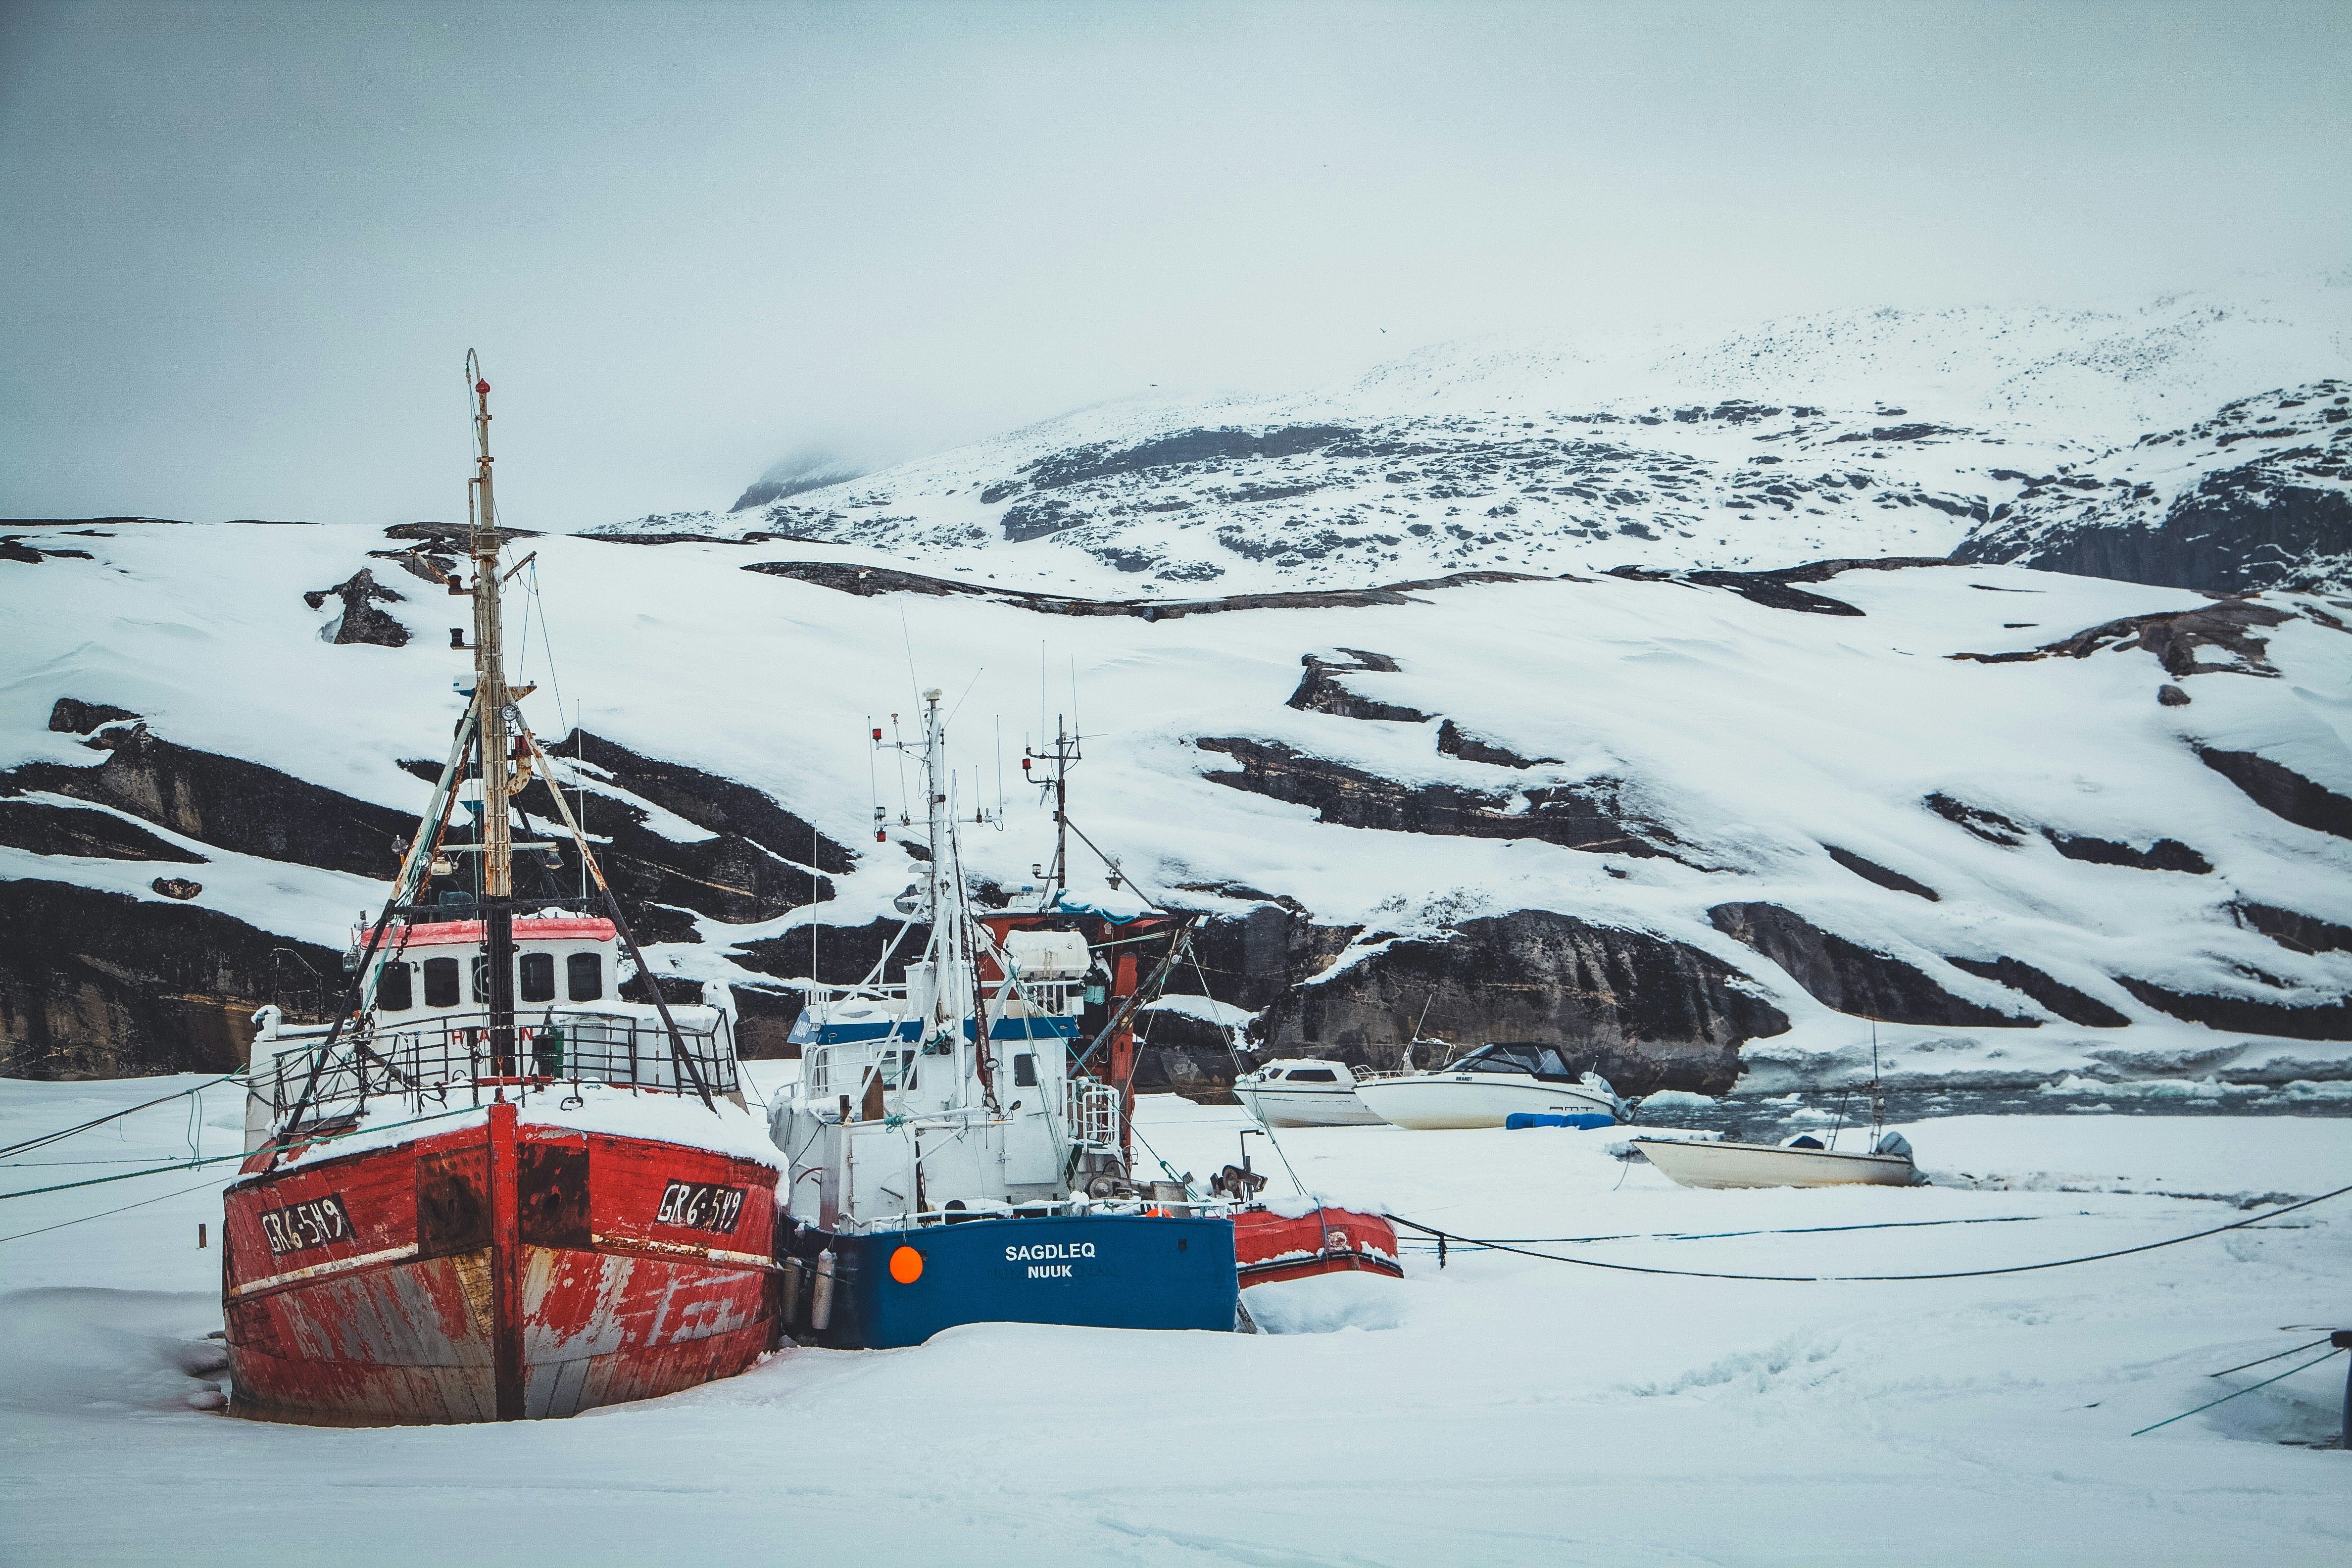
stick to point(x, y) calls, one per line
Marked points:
point(216, 1159)
point(2248, 1389)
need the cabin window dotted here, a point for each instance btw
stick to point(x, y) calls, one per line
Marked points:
point(1550, 1063)
point(583, 977)
point(396, 988)
point(1313, 1075)
point(440, 983)
point(1024, 1071)
point(537, 976)
point(478, 978)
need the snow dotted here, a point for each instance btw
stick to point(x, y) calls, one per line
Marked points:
point(1500, 1411)
point(1887, 432)
point(1757, 735)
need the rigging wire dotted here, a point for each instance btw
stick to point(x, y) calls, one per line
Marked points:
point(2249, 1388)
point(47, 1137)
point(102, 1214)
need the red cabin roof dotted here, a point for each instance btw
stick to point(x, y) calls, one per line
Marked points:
point(472, 933)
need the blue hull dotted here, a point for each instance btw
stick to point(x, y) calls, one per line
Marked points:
point(1101, 1271)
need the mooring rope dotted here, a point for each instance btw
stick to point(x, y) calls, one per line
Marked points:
point(1865, 1279)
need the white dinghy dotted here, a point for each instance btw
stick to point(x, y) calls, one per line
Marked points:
point(1303, 1091)
point(1491, 1085)
point(1800, 1163)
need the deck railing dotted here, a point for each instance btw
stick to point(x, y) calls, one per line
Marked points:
point(433, 1058)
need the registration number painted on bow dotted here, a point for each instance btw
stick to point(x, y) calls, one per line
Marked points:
point(298, 1227)
point(699, 1208)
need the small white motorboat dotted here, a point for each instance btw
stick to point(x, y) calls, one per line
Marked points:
point(1489, 1086)
point(1303, 1091)
point(1801, 1162)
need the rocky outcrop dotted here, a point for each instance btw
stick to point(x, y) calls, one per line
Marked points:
point(2231, 626)
point(2164, 854)
point(70, 716)
point(1584, 815)
point(1849, 977)
point(1645, 1012)
point(2063, 1000)
point(47, 829)
point(2267, 509)
point(228, 803)
point(869, 581)
point(96, 984)
point(361, 620)
point(2295, 932)
point(2296, 1021)
point(1870, 871)
point(1320, 691)
point(2281, 791)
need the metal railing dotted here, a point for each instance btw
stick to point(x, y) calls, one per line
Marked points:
point(429, 1059)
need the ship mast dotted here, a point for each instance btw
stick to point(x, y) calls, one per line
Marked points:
point(491, 703)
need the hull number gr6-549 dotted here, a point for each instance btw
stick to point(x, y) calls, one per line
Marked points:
point(699, 1208)
point(300, 1225)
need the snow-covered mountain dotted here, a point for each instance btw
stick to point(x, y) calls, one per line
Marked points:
point(2001, 433)
point(1697, 826)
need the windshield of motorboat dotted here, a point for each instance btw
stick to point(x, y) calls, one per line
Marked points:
point(1537, 1060)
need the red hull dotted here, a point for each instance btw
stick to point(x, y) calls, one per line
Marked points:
point(1268, 1247)
point(496, 1272)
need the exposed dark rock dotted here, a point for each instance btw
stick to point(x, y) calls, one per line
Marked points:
point(72, 717)
point(361, 620)
point(176, 886)
point(844, 956)
point(869, 581)
point(1079, 464)
point(754, 867)
point(1990, 826)
point(2164, 854)
point(229, 803)
point(2299, 933)
point(1646, 1012)
point(1852, 978)
point(2326, 1021)
point(452, 538)
point(1870, 871)
point(13, 547)
point(1455, 741)
point(1770, 590)
point(2174, 639)
point(1320, 691)
point(104, 986)
point(1586, 815)
point(2282, 791)
point(1250, 960)
point(1037, 518)
point(796, 475)
point(2063, 1000)
point(2171, 696)
point(47, 829)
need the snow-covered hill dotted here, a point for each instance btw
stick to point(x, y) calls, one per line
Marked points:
point(1697, 826)
point(1848, 434)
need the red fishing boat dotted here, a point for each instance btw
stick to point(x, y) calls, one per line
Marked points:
point(492, 1188)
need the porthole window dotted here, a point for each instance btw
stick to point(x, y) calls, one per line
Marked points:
point(538, 970)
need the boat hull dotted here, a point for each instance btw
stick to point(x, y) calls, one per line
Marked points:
point(1101, 1271)
point(495, 1273)
point(1269, 1247)
point(1721, 1164)
point(1335, 1107)
point(1442, 1101)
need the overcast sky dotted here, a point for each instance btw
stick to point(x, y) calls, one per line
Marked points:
point(243, 248)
